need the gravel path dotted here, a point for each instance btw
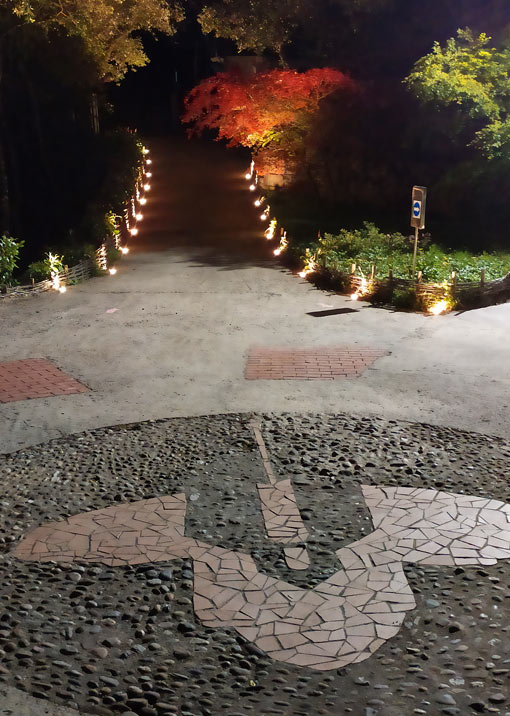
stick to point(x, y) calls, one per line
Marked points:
point(125, 640)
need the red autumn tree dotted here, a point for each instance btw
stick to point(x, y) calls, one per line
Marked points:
point(270, 112)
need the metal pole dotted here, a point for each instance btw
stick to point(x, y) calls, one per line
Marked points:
point(416, 232)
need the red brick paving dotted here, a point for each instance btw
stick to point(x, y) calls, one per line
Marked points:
point(35, 378)
point(328, 363)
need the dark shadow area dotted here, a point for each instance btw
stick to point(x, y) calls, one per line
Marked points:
point(332, 312)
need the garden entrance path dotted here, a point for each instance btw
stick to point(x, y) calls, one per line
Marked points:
point(170, 334)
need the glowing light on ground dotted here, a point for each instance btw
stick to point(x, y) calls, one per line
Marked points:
point(139, 217)
point(437, 308)
point(112, 271)
point(253, 187)
point(310, 264)
point(362, 290)
point(147, 187)
point(148, 161)
point(143, 201)
point(62, 289)
point(133, 231)
point(124, 250)
point(271, 230)
point(55, 280)
point(283, 243)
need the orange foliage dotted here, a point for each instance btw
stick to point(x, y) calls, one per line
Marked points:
point(270, 110)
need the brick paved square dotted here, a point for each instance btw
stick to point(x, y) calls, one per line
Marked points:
point(35, 378)
point(325, 363)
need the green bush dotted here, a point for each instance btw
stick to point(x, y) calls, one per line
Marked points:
point(406, 299)
point(368, 246)
point(95, 270)
point(381, 295)
point(38, 271)
point(42, 270)
point(74, 253)
point(112, 255)
point(9, 253)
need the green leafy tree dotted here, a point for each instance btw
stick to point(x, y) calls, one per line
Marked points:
point(474, 76)
point(254, 25)
point(54, 54)
point(259, 25)
point(106, 27)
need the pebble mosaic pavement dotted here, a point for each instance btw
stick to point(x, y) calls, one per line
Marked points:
point(327, 363)
point(341, 621)
point(95, 609)
point(35, 378)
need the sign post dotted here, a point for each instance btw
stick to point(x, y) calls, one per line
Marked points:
point(418, 204)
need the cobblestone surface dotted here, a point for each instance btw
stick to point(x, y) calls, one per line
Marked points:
point(125, 639)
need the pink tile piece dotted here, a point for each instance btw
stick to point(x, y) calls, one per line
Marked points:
point(281, 514)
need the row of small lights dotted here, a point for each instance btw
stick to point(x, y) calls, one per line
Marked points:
point(138, 200)
point(270, 233)
point(310, 264)
point(134, 211)
point(365, 287)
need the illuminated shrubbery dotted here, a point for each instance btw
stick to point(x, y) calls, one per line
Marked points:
point(368, 246)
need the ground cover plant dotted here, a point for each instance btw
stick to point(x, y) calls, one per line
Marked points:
point(368, 263)
point(369, 247)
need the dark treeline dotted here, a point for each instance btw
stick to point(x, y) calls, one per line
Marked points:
point(64, 159)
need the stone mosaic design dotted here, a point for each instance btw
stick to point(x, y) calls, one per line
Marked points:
point(283, 521)
point(430, 527)
point(280, 511)
point(328, 363)
point(341, 621)
point(35, 378)
point(135, 533)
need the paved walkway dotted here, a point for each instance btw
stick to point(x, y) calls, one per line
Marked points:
point(257, 566)
point(170, 334)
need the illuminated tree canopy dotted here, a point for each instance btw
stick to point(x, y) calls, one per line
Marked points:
point(471, 74)
point(106, 27)
point(253, 24)
point(269, 111)
point(258, 25)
